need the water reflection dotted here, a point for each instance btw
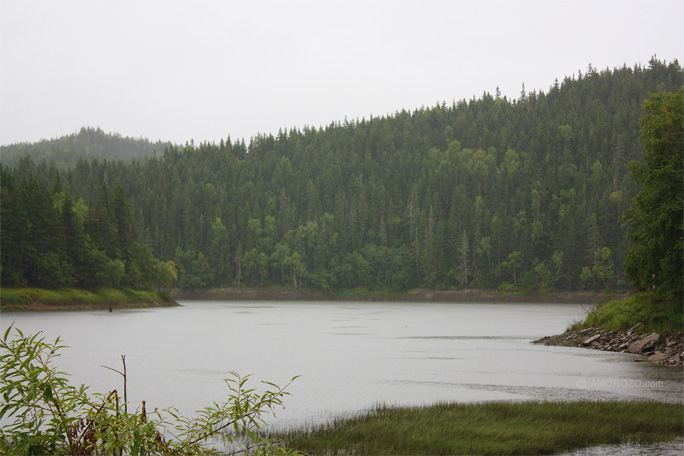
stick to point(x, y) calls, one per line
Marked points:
point(633, 449)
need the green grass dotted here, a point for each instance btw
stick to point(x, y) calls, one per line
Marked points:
point(645, 309)
point(28, 298)
point(493, 428)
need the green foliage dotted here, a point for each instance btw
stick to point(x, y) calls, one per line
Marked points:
point(646, 311)
point(49, 240)
point(655, 260)
point(493, 428)
point(194, 270)
point(47, 415)
point(512, 263)
point(602, 269)
point(354, 270)
point(166, 273)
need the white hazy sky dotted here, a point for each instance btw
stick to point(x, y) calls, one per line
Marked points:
point(203, 70)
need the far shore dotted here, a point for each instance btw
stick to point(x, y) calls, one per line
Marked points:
point(20, 300)
point(415, 295)
point(68, 299)
point(37, 306)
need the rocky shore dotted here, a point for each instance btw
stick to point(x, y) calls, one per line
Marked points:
point(653, 347)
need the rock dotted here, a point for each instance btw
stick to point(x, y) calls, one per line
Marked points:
point(662, 351)
point(646, 344)
point(658, 357)
point(633, 328)
point(593, 338)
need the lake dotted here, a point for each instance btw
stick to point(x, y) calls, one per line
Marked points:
point(350, 355)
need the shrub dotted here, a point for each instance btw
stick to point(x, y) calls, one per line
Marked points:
point(50, 416)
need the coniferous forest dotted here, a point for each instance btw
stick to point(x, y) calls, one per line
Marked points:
point(490, 192)
point(87, 143)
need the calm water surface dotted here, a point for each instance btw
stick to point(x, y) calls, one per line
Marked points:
point(350, 355)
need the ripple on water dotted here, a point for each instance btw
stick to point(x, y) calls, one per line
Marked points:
point(633, 449)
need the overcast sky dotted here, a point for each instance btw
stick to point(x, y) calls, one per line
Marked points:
point(204, 70)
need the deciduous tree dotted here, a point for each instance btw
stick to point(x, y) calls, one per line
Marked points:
point(655, 216)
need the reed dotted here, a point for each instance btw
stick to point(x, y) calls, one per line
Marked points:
point(493, 428)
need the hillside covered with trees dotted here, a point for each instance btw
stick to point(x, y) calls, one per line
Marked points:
point(487, 192)
point(87, 144)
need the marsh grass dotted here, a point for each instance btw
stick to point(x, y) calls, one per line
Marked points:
point(493, 428)
point(645, 309)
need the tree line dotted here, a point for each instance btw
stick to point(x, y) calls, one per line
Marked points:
point(489, 192)
point(51, 239)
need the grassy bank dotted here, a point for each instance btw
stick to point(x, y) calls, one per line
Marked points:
point(26, 299)
point(493, 428)
point(646, 310)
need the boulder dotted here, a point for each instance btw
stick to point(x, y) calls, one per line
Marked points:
point(646, 344)
point(658, 357)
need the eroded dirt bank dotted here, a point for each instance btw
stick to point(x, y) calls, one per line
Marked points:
point(416, 295)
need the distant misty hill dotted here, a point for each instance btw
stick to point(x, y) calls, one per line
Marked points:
point(88, 143)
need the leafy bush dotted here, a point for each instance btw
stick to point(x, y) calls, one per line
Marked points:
point(50, 416)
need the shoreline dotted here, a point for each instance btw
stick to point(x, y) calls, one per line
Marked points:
point(37, 306)
point(654, 347)
point(415, 295)
point(28, 300)
point(74, 299)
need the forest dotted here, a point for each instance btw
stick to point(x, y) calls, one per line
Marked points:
point(50, 240)
point(522, 194)
point(88, 144)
